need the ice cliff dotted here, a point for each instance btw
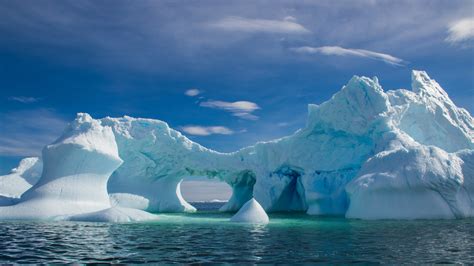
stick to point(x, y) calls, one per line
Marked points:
point(364, 153)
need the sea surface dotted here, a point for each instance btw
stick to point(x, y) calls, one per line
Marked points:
point(208, 237)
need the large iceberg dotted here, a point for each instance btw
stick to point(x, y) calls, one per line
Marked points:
point(364, 153)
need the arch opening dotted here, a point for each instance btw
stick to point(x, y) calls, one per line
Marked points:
point(205, 194)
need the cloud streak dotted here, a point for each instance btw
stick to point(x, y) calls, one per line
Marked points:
point(241, 24)
point(461, 30)
point(23, 99)
point(341, 51)
point(241, 109)
point(206, 131)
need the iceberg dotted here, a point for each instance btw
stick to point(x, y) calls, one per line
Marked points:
point(251, 212)
point(74, 179)
point(21, 178)
point(365, 153)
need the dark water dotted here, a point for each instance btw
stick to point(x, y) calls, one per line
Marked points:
point(207, 236)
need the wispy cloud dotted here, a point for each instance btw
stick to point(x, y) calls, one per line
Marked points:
point(241, 109)
point(206, 131)
point(23, 99)
point(234, 23)
point(461, 30)
point(340, 51)
point(192, 92)
point(26, 132)
point(283, 124)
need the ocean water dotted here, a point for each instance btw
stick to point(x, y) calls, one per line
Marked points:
point(208, 237)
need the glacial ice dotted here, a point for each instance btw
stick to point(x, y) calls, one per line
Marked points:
point(364, 153)
point(251, 212)
point(21, 178)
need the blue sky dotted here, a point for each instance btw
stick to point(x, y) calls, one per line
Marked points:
point(225, 73)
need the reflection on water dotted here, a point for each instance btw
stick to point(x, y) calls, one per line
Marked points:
point(209, 237)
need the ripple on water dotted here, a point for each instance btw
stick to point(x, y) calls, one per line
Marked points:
point(209, 237)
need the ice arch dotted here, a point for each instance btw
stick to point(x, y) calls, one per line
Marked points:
point(156, 159)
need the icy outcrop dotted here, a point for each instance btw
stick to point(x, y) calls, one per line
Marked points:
point(423, 166)
point(428, 115)
point(21, 178)
point(308, 170)
point(364, 153)
point(251, 212)
point(76, 169)
point(410, 181)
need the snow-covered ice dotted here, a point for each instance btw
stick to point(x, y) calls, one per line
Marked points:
point(365, 153)
point(251, 212)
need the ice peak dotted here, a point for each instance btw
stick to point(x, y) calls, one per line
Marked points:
point(422, 84)
point(83, 117)
point(358, 82)
point(83, 121)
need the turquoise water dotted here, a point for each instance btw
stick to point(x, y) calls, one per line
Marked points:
point(207, 236)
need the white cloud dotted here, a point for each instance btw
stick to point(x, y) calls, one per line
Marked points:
point(26, 132)
point(206, 131)
point(340, 51)
point(246, 116)
point(192, 92)
point(241, 109)
point(288, 25)
point(461, 30)
point(23, 99)
point(290, 18)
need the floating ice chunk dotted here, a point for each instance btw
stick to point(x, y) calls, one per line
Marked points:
point(251, 212)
